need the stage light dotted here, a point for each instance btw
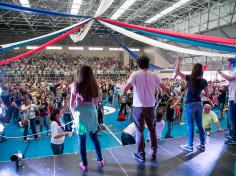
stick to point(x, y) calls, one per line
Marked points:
point(0, 91)
point(18, 158)
point(1, 128)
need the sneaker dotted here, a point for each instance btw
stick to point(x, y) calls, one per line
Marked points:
point(208, 133)
point(139, 157)
point(101, 163)
point(230, 142)
point(201, 147)
point(187, 148)
point(153, 157)
point(83, 167)
point(228, 136)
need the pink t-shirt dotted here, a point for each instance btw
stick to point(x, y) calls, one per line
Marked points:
point(145, 84)
point(77, 100)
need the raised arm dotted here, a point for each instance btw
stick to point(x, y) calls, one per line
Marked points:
point(72, 99)
point(227, 77)
point(177, 70)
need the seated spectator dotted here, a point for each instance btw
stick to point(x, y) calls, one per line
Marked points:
point(209, 118)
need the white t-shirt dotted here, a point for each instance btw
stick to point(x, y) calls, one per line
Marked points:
point(232, 87)
point(145, 84)
point(30, 113)
point(56, 130)
point(130, 129)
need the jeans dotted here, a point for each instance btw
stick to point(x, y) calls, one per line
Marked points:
point(44, 122)
point(33, 128)
point(169, 128)
point(67, 118)
point(232, 119)
point(127, 139)
point(83, 153)
point(123, 106)
point(140, 116)
point(194, 113)
point(13, 112)
point(57, 149)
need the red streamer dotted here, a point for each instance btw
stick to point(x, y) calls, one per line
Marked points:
point(42, 46)
point(205, 38)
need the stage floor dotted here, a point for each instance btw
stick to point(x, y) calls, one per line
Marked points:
point(218, 159)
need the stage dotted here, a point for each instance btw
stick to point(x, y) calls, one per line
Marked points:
point(218, 159)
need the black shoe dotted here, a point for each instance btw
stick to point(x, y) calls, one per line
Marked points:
point(227, 135)
point(230, 142)
point(201, 147)
point(154, 157)
point(139, 157)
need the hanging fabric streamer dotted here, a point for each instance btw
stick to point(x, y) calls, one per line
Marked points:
point(162, 45)
point(14, 7)
point(41, 47)
point(133, 54)
point(104, 5)
point(80, 36)
point(174, 33)
point(188, 41)
point(9, 46)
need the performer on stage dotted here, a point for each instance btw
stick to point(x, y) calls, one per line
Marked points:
point(144, 85)
point(84, 99)
point(196, 84)
point(232, 99)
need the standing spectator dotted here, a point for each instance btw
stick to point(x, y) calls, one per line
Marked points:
point(222, 100)
point(44, 113)
point(58, 132)
point(29, 118)
point(170, 116)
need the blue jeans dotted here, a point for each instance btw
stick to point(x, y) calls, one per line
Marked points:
point(33, 128)
point(194, 113)
point(44, 122)
point(169, 128)
point(67, 118)
point(83, 153)
point(57, 149)
point(232, 119)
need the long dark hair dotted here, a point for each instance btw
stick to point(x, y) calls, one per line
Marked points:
point(54, 115)
point(197, 71)
point(86, 84)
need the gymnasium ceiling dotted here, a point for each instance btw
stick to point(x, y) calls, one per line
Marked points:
point(209, 17)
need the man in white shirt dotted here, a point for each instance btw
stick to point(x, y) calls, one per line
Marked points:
point(232, 99)
point(144, 85)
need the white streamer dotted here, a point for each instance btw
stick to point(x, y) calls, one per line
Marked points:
point(47, 35)
point(162, 45)
point(105, 4)
point(80, 36)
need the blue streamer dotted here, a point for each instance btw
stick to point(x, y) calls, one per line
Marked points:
point(187, 41)
point(133, 54)
point(14, 7)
